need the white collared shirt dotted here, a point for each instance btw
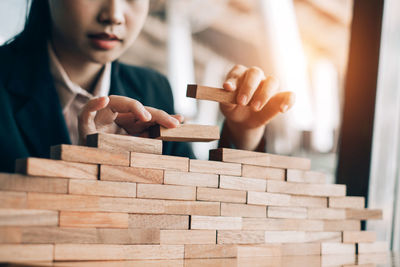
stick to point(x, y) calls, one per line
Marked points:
point(72, 96)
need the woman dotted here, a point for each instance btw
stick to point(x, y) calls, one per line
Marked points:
point(60, 80)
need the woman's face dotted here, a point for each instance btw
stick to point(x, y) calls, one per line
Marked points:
point(96, 30)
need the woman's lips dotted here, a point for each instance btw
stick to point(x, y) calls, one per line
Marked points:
point(104, 41)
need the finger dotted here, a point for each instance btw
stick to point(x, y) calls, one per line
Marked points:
point(163, 118)
point(279, 103)
point(267, 89)
point(122, 104)
point(88, 112)
point(233, 77)
point(179, 117)
point(251, 82)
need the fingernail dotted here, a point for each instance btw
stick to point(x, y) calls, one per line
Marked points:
point(174, 121)
point(284, 108)
point(230, 85)
point(243, 100)
point(147, 115)
point(256, 105)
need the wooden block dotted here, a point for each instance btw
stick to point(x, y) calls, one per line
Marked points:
point(376, 247)
point(259, 159)
point(263, 172)
point(322, 190)
point(102, 188)
point(308, 202)
point(215, 167)
point(131, 174)
point(347, 202)
point(364, 214)
point(93, 219)
point(337, 260)
point(165, 222)
point(185, 133)
point(359, 237)
point(337, 248)
point(210, 251)
point(215, 223)
point(301, 237)
point(78, 252)
point(93, 155)
point(268, 224)
point(286, 212)
point(178, 192)
point(326, 213)
point(240, 237)
point(18, 182)
point(211, 93)
point(159, 162)
point(20, 217)
point(300, 176)
point(242, 183)
point(128, 236)
point(262, 250)
point(305, 249)
point(56, 168)
point(242, 210)
point(183, 237)
point(375, 259)
point(118, 142)
point(131, 205)
point(222, 195)
point(192, 207)
point(263, 198)
point(12, 200)
point(191, 179)
point(10, 235)
point(342, 225)
point(10, 253)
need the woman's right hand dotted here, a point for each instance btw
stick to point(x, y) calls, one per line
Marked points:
point(110, 114)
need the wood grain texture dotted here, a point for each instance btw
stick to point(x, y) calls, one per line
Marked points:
point(260, 250)
point(210, 251)
point(330, 248)
point(308, 202)
point(12, 200)
point(205, 208)
point(221, 195)
point(131, 174)
point(305, 249)
point(177, 192)
point(300, 176)
point(23, 252)
point(268, 199)
point(327, 213)
point(359, 236)
point(342, 225)
point(376, 247)
point(92, 155)
point(191, 179)
point(165, 222)
point(56, 168)
point(240, 237)
point(10, 235)
point(286, 212)
point(25, 217)
point(242, 183)
point(102, 188)
point(183, 237)
point(18, 182)
point(185, 133)
point(301, 237)
point(215, 223)
point(242, 210)
point(259, 159)
point(266, 173)
point(215, 167)
point(211, 93)
point(68, 252)
point(347, 202)
point(117, 142)
point(93, 219)
point(269, 224)
point(322, 190)
point(159, 162)
point(364, 214)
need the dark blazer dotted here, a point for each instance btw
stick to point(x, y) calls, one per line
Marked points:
point(31, 118)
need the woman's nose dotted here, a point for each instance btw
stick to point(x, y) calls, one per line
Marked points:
point(112, 13)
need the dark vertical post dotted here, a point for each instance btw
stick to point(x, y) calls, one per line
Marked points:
point(359, 103)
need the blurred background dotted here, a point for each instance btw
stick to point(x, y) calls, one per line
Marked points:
point(307, 45)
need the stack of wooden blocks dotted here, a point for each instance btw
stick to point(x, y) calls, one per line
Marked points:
point(119, 198)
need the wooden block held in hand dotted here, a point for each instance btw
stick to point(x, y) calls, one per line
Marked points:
point(191, 179)
point(92, 155)
point(259, 159)
point(159, 221)
point(286, 212)
point(178, 192)
point(185, 133)
point(300, 176)
point(56, 168)
point(93, 219)
point(242, 183)
point(216, 223)
point(24, 217)
point(322, 190)
point(329, 248)
point(183, 237)
point(118, 142)
point(242, 210)
point(159, 162)
point(18, 182)
point(359, 237)
point(210, 251)
point(211, 93)
point(347, 202)
point(221, 195)
point(215, 167)
point(131, 174)
point(240, 237)
point(364, 214)
point(24, 252)
point(102, 188)
point(261, 172)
